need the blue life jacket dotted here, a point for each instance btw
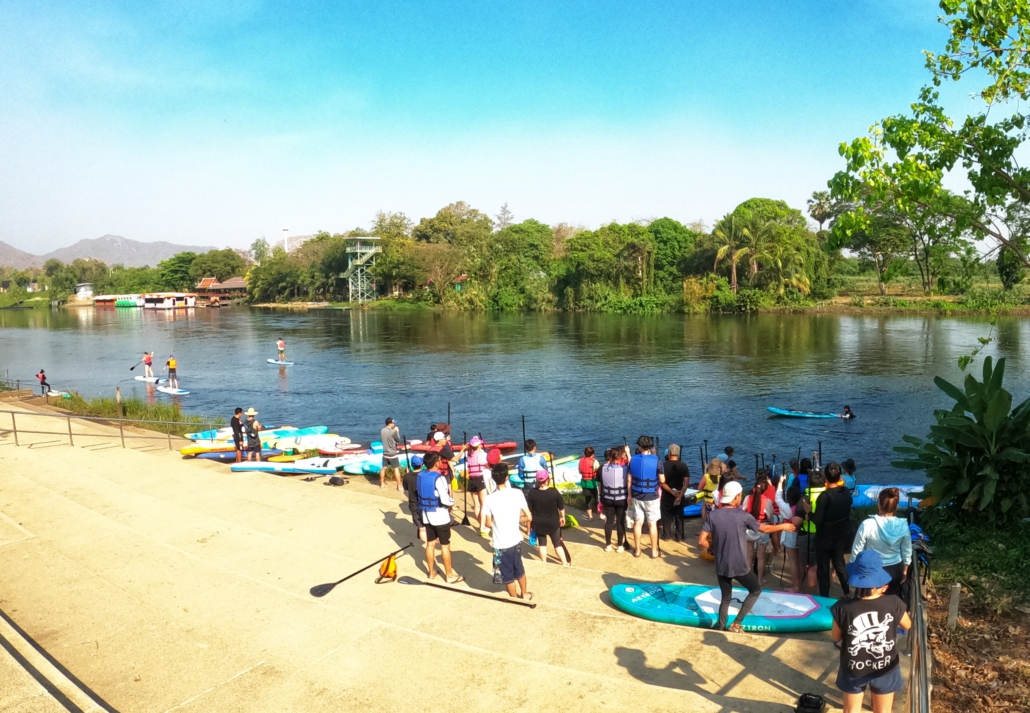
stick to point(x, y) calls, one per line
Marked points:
point(644, 470)
point(428, 498)
point(613, 482)
point(529, 464)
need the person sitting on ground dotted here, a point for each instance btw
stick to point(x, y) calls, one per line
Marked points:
point(410, 484)
point(43, 386)
point(548, 509)
point(865, 629)
point(645, 479)
point(614, 494)
point(434, 503)
point(889, 537)
point(502, 513)
point(253, 429)
point(832, 518)
point(588, 471)
point(528, 465)
point(677, 480)
point(725, 532)
point(761, 509)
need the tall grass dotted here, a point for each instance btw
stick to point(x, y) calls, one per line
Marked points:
point(135, 409)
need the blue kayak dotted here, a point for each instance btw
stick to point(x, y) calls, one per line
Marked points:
point(799, 414)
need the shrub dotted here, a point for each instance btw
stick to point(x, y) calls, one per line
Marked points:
point(892, 302)
point(987, 299)
point(749, 300)
point(857, 301)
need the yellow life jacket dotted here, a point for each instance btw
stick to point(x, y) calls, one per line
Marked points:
point(709, 484)
point(172, 363)
point(812, 494)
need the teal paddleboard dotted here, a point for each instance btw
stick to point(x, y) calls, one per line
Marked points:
point(698, 605)
point(799, 414)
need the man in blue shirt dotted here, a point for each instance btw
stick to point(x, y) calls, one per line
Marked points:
point(646, 475)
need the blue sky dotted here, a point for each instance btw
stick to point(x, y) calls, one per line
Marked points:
point(218, 123)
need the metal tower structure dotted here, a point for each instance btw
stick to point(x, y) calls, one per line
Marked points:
point(361, 258)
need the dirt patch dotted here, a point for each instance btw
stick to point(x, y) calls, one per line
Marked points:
point(983, 665)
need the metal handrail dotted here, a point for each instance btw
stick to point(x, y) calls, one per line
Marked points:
point(101, 420)
point(920, 684)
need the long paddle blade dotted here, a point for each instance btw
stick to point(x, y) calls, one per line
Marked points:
point(520, 602)
point(133, 367)
point(320, 590)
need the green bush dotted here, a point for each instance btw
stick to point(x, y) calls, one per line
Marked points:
point(892, 302)
point(177, 423)
point(857, 301)
point(749, 300)
point(987, 299)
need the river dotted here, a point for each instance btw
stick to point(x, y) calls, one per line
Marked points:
point(578, 379)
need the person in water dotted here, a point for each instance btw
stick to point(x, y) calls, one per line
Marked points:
point(148, 365)
point(280, 347)
point(173, 372)
point(848, 413)
point(43, 386)
point(865, 628)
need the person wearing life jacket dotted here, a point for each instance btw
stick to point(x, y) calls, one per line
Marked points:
point(478, 469)
point(614, 496)
point(173, 374)
point(43, 386)
point(588, 469)
point(529, 464)
point(762, 509)
point(806, 533)
point(434, 503)
point(442, 447)
point(645, 478)
point(280, 347)
point(148, 365)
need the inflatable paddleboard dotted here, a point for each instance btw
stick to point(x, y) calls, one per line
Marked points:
point(152, 379)
point(868, 495)
point(280, 363)
point(230, 456)
point(799, 414)
point(698, 605)
point(309, 442)
point(280, 469)
point(172, 392)
point(224, 434)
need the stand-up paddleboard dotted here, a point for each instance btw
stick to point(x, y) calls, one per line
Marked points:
point(868, 495)
point(698, 605)
point(58, 394)
point(172, 392)
point(267, 438)
point(308, 442)
point(695, 509)
point(230, 456)
point(224, 434)
point(280, 363)
point(152, 379)
point(799, 414)
point(280, 469)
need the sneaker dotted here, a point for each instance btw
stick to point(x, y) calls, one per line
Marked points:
point(620, 548)
point(602, 516)
point(608, 548)
point(484, 533)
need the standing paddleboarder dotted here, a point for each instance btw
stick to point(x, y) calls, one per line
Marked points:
point(173, 372)
point(148, 365)
point(280, 346)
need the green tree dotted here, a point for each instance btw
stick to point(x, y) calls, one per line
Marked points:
point(673, 242)
point(175, 272)
point(731, 234)
point(886, 242)
point(276, 278)
point(220, 264)
point(259, 249)
point(820, 207)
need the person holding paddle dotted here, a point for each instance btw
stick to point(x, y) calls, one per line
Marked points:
point(148, 365)
point(173, 372)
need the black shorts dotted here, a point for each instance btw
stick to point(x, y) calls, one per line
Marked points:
point(416, 515)
point(254, 446)
point(171, 372)
point(391, 461)
point(438, 532)
point(476, 484)
point(541, 538)
point(238, 442)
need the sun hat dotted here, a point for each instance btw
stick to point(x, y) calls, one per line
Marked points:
point(438, 436)
point(866, 571)
point(475, 441)
point(730, 491)
point(251, 412)
point(542, 476)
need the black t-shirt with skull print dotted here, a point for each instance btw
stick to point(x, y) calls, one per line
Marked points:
point(869, 646)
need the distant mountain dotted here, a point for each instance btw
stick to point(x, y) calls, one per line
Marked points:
point(110, 249)
point(16, 258)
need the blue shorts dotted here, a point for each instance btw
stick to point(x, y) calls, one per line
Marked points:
point(510, 564)
point(881, 683)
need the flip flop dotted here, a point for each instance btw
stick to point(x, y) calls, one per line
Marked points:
point(456, 579)
point(528, 596)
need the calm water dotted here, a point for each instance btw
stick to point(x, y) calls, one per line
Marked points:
point(578, 379)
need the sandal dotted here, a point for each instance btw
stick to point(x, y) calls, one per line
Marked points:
point(455, 579)
point(734, 628)
point(528, 596)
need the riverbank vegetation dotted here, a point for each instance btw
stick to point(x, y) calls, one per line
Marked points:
point(136, 409)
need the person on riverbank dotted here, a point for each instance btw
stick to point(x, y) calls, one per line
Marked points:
point(253, 429)
point(548, 509)
point(789, 540)
point(280, 348)
point(849, 468)
point(410, 484)
point(760, 508)
point(614, 495)
point(709, 493)
point(172, 367)
point(677, 480)
point(731, 465)
point(832, 518)
point(503, 513)
point(434, 503)
point(148, 365)
point(588, 471)
point(44, 387)
point(477, 467)
point(725, 533)
point(442, 446)
point(645, 479)
point(865, 628)
point(889, 537)
point(236, 424)
point(390, 437)
point(529, 464)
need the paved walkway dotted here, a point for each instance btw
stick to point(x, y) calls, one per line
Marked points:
point(169, 584)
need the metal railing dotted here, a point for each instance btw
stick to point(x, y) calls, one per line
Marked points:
point(67, 430)
point(920, 683)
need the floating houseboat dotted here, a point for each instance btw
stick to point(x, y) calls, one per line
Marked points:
point(133, 301)
point(169, 300)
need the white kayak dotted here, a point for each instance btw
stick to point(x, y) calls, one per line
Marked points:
point(280, 363)
point(152, 379)
point(172, 392)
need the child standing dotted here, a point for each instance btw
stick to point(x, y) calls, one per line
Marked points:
point(866, 628)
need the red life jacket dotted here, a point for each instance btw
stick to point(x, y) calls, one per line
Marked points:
point(586, 468)
point(443, 464)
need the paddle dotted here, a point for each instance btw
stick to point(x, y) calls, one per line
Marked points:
point(704, 465)
point(520, 602)
point(321, 590)
point(133, 367)
point(568, 555)
point(464, 445)
point(706, 450)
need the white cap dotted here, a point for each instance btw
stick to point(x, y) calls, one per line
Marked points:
point(730, 491)
point(438, 436)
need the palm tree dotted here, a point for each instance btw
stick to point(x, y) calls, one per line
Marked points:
point(787, 268)
point(731, 231)
point(820, 207)
point(760, 236)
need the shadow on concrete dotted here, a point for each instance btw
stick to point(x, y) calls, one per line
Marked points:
point(680, 675)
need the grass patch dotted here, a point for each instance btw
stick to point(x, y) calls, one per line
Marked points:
point(140, 410)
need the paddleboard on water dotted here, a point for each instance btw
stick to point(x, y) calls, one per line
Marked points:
point(698, 605)
point(152, 379)
point(280, 363)
point(867, 495)
point(799, 414)
point(172, 392)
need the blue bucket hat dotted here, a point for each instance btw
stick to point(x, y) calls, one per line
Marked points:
point(866, 571)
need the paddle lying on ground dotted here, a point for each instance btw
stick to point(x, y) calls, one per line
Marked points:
point(321, 590)
point(510, 600)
